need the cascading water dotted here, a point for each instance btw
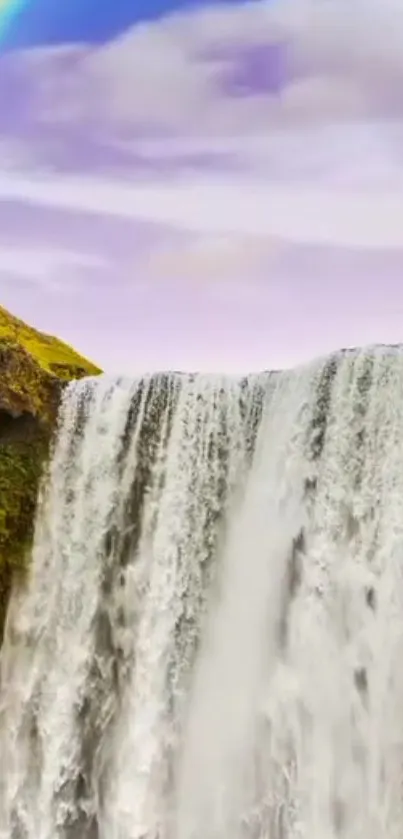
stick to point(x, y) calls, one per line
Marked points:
point(210, 642)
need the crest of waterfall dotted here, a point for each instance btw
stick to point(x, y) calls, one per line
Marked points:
point(209, 642)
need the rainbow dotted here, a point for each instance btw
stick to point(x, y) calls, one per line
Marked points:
point(9, 9)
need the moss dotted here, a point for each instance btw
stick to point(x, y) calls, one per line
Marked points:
point(21, 465)
point(34, 368)
point(51, 355)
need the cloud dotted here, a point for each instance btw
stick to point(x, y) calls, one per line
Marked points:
point(239, 70)
point(51, 269)
point(347, 217)
point(353, 50)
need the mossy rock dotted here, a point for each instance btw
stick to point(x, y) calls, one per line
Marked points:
point(34, 369)
point(49, 353)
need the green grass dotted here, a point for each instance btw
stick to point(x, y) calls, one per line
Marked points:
point(52, 355)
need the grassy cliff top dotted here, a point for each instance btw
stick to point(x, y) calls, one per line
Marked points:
point(52, 355)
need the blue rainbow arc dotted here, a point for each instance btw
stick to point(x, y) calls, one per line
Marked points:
point(9, 10)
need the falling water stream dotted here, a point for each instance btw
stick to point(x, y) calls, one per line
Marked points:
point(210, 642)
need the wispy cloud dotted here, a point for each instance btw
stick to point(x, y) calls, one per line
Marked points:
point(54, 270)
point(346, 217)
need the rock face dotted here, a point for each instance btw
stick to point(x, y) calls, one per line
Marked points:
point(34, 368)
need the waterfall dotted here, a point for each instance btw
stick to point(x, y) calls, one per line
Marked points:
point(209, 642)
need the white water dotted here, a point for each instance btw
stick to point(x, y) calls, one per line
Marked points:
point(210, 643)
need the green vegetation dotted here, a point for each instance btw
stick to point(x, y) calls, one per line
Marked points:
point(51, 354)
point(21, 467)
point(34, 368)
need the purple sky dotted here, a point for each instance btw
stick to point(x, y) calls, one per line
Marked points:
point(238, 205)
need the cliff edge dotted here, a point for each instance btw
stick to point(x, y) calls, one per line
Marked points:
point(34, 368)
